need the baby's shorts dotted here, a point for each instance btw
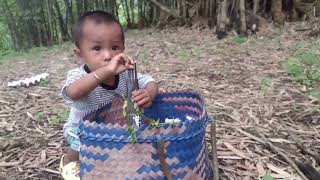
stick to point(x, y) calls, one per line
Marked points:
point(73, 138)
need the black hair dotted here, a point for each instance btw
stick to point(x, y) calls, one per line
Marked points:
point(96, 16)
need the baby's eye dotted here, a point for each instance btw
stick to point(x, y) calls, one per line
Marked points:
point(115, 47)
point(96, 48)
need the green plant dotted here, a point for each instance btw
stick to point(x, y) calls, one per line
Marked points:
point(268, 176)
point(266, 85)
point(155, 123)
point(58, 116)
point(316, 109)
point(314, 93)
point(184, 55)
point(298, 48)
point(133, 134)
point(240, 40)
point(304, 68)
point(44, 82)
point(39, 116)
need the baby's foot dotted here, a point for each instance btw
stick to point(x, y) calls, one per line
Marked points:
point(69, 171)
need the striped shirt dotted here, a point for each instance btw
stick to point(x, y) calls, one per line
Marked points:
point(100, 95)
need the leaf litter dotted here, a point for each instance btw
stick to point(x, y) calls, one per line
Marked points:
point(247, 91)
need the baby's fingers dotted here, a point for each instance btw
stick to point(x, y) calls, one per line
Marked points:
point(129, 62)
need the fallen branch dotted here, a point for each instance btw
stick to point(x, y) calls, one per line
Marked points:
point(8, 164)
point(266, 142)
point(276, 150)
point(302, 147)
point(50, 170)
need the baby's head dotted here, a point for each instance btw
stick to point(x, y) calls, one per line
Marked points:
point(98, 37)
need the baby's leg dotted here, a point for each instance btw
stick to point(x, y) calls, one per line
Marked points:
point(71, 156)
point(69, 166)
point(74, 142)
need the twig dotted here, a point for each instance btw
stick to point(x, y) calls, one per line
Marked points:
point(250, 135)
point(265, 141)
point(276, 150)
point(302, 147)
point(214, 151)
point(8, 164)
point(50, 170)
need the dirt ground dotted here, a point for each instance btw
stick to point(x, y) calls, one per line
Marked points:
point(228, 74)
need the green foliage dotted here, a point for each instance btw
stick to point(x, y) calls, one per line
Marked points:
point(316, 109)
point(59, 116)
point(298, 48)
point(268, 176)
point(133, 134)
point(266, 85)
point(240, 40)
point(314, 93)
point(121, 15)
point(5, 40)
point(33, 53)
point(304, 68)
point(184, 55)
point(44, 82)
point(39, 116)
point(155, 123)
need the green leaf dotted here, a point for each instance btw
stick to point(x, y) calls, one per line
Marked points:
point(267, 176)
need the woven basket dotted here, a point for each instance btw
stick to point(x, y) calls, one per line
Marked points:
point(172, 151)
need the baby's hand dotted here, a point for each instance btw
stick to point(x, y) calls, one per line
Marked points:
point(142, 98)
point(120, 63)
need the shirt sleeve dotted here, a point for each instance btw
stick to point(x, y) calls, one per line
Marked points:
point(144, 79)
point(72, 76)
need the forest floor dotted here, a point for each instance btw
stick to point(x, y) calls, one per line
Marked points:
point(244, 81)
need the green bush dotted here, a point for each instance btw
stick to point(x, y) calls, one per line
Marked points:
point(304, 68)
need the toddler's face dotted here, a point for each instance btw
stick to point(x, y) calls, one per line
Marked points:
point(99, 44)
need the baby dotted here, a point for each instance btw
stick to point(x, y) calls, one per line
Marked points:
point(99, 40)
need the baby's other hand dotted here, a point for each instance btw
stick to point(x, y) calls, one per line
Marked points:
point(120, 63)
point(142, 98)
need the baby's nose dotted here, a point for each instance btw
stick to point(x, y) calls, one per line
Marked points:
point(107, 56)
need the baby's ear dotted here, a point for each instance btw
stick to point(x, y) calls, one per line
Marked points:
point(77, 52)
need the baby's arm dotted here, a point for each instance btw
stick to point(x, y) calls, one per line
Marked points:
point(86, 84)
point(89, 82)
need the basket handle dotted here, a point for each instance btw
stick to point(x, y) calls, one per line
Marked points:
point(162, 156)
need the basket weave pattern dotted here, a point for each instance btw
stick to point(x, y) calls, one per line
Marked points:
point(107, 153)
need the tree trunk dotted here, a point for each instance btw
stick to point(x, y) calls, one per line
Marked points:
point(50, 30)
point(62, 25)
point(243, 26)
point(223, 15)
point(277, 15)
point(167, 9)
point(125, 4)
point(132, 12)
point(265, 7)
point(256, 6)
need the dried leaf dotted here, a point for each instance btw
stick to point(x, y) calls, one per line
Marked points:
point(234, 150)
